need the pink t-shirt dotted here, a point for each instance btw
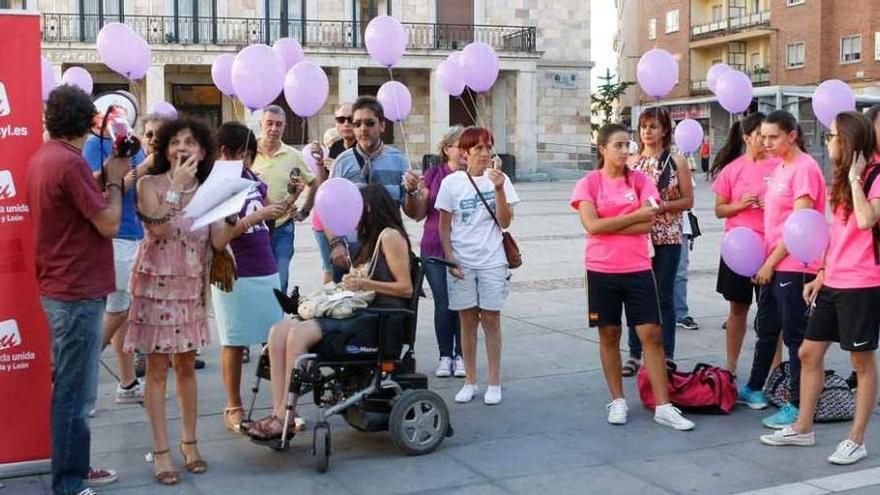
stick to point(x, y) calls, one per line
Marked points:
point(615, 253)
point(788, 183)
point(740, 177)
point(849, 262)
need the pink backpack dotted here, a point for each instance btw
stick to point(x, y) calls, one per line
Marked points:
point(708, 389)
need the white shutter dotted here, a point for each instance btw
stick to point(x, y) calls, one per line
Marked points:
point(877, 46)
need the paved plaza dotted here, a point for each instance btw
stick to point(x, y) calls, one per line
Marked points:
point(548, 436)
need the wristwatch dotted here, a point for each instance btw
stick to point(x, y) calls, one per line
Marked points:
point(172, 198)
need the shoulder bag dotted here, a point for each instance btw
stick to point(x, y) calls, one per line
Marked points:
point(511, 249)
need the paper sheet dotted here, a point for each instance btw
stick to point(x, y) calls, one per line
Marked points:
point(222, 194)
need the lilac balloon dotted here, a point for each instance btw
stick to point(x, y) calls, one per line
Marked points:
point(144, 57)
point(480, 66)
point(48, 77)
point(688, 135)
point(79, 77)
point(123, 50)
point(655, 73)
point(806, 235)
point(734, 91)
point(340, 206)
point(450, 77)
point(743, 251)
point(306, 88)
point(831, 98)
point(221, 74)
point(714, 73)
point(310, 160)
point(396, 100)
point(385, 40)
point(257, 76)
point(290, 51)
point(164, 109)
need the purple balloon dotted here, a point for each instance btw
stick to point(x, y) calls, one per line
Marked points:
point(257, 76)
point(340, 206)
point(79, 77)
point(655, 73)
point(806, 235)
point(221, 74)
point(306, 88)
point(480, 66)
point(144, 57)
point(48, 77)
point(385, 40)
point(734, 91)
point(714, 73)
point(123, 50)
point(831, 98)
point(688, 135)
point(290, 51)
point(164, 109)
point(743, 251)
point(395, 100)
point(450, 77)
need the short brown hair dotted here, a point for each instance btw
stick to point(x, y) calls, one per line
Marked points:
point(472, 137)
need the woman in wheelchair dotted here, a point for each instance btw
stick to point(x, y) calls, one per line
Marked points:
point(381, 231)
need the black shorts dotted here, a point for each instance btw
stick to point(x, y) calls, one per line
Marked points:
point(848, 316)
point(734, 287)
point(609, 293)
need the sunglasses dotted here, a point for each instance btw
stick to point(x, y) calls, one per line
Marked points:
point(341, 120)
point(366, 123)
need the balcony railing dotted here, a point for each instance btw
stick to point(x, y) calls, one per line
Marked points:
point(234, 31)
point(731, 25)
point(759, 77)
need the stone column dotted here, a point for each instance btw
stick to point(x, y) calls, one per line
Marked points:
point(439, 110)
point(155, 86)
point(348, 85)
point(499, 114)
point(526, 123)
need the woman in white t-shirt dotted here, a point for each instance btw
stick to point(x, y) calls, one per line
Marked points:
point(471, 240)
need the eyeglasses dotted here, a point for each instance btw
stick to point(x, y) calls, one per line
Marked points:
point(342, 119)
point(366, 123)
point(829, 137)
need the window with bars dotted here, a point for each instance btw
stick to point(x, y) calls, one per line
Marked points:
point(795, 54)
point(850, 49)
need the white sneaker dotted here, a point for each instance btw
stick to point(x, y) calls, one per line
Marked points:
point(617, 410)
point(493, 395)
point(467, 392)
point(667, 415)
point(444, 369)
point(458, 366)
point(131, 396)
point(92, 412)
point(848, 452)
point(788, 436)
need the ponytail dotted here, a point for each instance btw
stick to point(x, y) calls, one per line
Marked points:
point(801, 142)
point(736, 144)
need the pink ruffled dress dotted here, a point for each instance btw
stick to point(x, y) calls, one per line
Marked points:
point(168, 308)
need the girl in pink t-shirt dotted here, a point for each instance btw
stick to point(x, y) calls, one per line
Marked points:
point(617, 208)
point(846, 292)
point(740, 173)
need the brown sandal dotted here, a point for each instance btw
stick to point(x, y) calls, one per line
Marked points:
point(268, 428)
point(233, 424)
point(166, 478)
point(197, 466)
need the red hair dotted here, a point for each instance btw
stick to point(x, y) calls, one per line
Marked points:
point(472, 137)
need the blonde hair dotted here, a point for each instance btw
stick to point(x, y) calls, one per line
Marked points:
point(331, 135)
point(448, 139)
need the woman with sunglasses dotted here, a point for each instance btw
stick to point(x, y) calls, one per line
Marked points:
point(846, 292)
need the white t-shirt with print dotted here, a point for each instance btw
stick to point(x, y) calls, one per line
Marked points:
point(476, 240)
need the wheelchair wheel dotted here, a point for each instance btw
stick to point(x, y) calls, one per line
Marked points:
point(419, 421)
point(321, 447)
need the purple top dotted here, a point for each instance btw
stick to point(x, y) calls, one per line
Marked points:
point(253, 249)
point(431, 245)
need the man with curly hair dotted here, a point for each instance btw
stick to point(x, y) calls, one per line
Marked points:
point(74, 222)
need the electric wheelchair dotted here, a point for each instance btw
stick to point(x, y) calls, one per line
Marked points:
point(368, 379)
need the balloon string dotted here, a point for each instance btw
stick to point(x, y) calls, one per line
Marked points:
point(467, 109)
point(402, 127)
point(482, 99)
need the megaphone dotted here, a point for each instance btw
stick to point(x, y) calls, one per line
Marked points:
point(117, 115)
point(123, 103)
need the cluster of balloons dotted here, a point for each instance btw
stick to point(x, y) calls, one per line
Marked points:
point(476, 67)
point(733, 88)
point(385, 40)
point(805, 233)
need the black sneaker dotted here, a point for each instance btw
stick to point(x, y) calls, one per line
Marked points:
point(687, 323)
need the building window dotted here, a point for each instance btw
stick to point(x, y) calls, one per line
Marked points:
point(792, 3)
point(851, 49)
point(652, 29)
point(672, 21)
point(795, 54)
point(877, 46)
point(717, 13)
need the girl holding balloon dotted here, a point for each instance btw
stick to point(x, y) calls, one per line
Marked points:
point(797, 184)
point(740, 173)
point(845, 295)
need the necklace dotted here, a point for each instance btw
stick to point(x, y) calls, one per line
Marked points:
point(185, 191)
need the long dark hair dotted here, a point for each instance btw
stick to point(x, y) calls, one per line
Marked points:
point(661, 116)
point(855, 134)
point(736, 143)
point(202, 135)
point(380, 212)
point(602, 138)
point(788, 123)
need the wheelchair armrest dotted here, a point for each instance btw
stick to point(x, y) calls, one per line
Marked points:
point(387, 311)
point(438, 261)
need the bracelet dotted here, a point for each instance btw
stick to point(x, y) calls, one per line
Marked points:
point(154, 220)
point(118, 186)
point(247, 224)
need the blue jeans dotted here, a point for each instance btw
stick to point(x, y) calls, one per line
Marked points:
point(76, 348)
point(324, 248)
point(282, 248)
point(665, 265)
point(681, 282)
point(446, 324)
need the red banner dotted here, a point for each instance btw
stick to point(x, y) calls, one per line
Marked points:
point(25, 359)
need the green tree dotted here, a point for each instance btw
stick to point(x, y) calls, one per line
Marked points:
point(606, 99)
